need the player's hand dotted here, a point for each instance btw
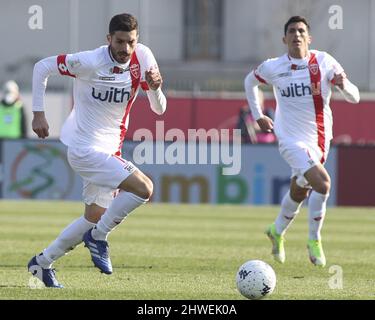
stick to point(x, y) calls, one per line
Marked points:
point(339, 79)
point(153, 78)
point(40, 125)
point(266, 124)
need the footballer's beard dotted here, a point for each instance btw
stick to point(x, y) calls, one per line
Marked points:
point(120, 56)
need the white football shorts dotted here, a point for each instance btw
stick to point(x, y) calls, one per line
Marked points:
point(302, 157)
point(101, 172)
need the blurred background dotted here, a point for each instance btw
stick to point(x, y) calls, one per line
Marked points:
point(204, 48)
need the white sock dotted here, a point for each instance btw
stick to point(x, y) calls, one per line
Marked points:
point(289, 209)
point(121, 206)
point(66, 241)
point(317, 209)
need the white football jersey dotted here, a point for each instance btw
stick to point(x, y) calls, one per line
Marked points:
point(103, 92)
point(302, 88)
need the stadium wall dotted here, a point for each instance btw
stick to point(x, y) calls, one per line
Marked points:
point(251, 31)
point(31, 169)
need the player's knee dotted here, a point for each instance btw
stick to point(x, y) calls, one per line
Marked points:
point(93, 214)
point(299, 195)
point(145, 189)
point(323, 187)
point(149, 189)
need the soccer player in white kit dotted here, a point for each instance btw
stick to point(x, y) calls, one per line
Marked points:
point(301, 81)
point(107, 81)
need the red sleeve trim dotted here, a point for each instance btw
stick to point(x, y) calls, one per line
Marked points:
point(61, 65)
point(260, 79)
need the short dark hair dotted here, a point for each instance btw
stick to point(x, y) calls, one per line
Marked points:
point(295, 19)
point(123, 22)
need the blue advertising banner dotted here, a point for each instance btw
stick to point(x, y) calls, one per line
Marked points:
point(182, 173)
point(38, 170)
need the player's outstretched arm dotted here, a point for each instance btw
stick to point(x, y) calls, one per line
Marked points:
point(157, 100)
point(346, 88)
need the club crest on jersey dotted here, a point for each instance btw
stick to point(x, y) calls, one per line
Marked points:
point(134, 70)
point(314, 68)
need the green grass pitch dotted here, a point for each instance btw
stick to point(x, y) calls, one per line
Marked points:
point(187, 252)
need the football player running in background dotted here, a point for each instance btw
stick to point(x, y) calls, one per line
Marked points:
point(302, 80)
point(107, 82)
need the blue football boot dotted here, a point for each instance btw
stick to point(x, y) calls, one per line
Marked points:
point(47, 276)
point(99, 251)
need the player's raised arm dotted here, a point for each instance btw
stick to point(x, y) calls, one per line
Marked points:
point(151, 79)
point(339, 78)
point(346, 88)
point(158, 102)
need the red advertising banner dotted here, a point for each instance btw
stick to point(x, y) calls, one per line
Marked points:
point(352, 123)
point(355, 176)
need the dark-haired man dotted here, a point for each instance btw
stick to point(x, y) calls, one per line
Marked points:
point(302, 80)
point(107, 81)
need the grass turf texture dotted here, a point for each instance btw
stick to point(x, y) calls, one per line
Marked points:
point(187, 252)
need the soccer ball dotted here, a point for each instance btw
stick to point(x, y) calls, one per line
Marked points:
point(255, 279)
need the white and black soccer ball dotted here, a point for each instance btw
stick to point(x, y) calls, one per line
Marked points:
point(255, 279)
